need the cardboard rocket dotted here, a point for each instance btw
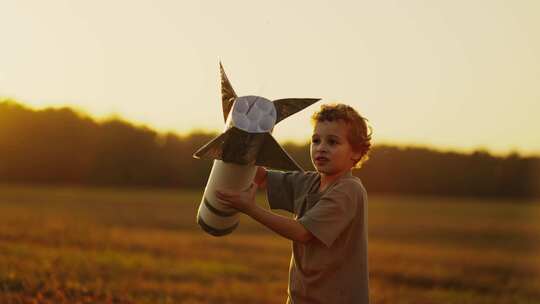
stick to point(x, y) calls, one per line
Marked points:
point(245, 144)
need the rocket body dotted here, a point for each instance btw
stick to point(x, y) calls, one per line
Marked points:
point(254, 116)
point(214, 217)
point(245, 144)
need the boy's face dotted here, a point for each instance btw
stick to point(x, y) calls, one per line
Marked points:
point(331, 152)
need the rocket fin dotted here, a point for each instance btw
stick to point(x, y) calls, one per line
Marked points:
point(272, 155)
point(227, 93)
point(288, 106)
point(213, 149)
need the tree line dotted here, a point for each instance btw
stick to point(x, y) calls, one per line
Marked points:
point(61, 146)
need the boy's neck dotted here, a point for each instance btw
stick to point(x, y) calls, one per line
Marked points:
point(327, 180)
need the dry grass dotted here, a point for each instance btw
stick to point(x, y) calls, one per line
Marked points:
point(81, 245)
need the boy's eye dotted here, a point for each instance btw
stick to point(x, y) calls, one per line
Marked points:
point(315, 140)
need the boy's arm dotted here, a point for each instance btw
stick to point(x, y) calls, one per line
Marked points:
point(284, 226)
point(245, 202)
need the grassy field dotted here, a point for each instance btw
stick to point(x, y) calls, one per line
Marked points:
point(82, 245)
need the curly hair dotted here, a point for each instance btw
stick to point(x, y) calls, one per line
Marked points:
point(359, 133)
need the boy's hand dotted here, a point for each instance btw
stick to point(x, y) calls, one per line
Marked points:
point(243, 201)
point(260, 177)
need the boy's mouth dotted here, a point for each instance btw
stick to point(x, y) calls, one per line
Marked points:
point(321, 159)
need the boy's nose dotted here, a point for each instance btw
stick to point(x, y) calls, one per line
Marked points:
point(321, 147)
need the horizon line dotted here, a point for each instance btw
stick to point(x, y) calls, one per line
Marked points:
point(83, 113)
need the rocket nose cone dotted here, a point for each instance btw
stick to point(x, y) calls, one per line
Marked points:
point(242, 122)
point(266, 107)
point(253, 114)
point(266, 124)
point(241, 105)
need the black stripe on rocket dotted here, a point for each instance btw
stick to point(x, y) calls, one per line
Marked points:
point(215, 231)
point(216, 211)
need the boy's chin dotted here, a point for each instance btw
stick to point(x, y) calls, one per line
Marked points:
point(328, 170)
point(323, 170)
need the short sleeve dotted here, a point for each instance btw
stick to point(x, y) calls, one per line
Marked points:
point(281, 188)
point(333, 212)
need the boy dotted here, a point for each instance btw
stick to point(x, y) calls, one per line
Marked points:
point(329, 230)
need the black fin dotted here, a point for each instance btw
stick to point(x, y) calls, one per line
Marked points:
point(272, 155)
point(213, 149)
point(227, 93)
point(288, 106)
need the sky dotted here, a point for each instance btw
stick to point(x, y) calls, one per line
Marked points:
point(455, 75)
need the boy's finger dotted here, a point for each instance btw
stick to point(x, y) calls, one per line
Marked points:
point(225, 193)
point(226, 203)
point(253, 188)
point(228, 192)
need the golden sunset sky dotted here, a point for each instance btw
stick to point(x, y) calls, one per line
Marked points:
point(458, 75)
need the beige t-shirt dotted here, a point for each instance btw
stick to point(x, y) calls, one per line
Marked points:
point(332, 267)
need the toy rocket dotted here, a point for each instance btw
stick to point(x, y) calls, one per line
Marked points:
point(245, 144)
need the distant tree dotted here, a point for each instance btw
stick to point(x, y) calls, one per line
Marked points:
point(63, 146)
